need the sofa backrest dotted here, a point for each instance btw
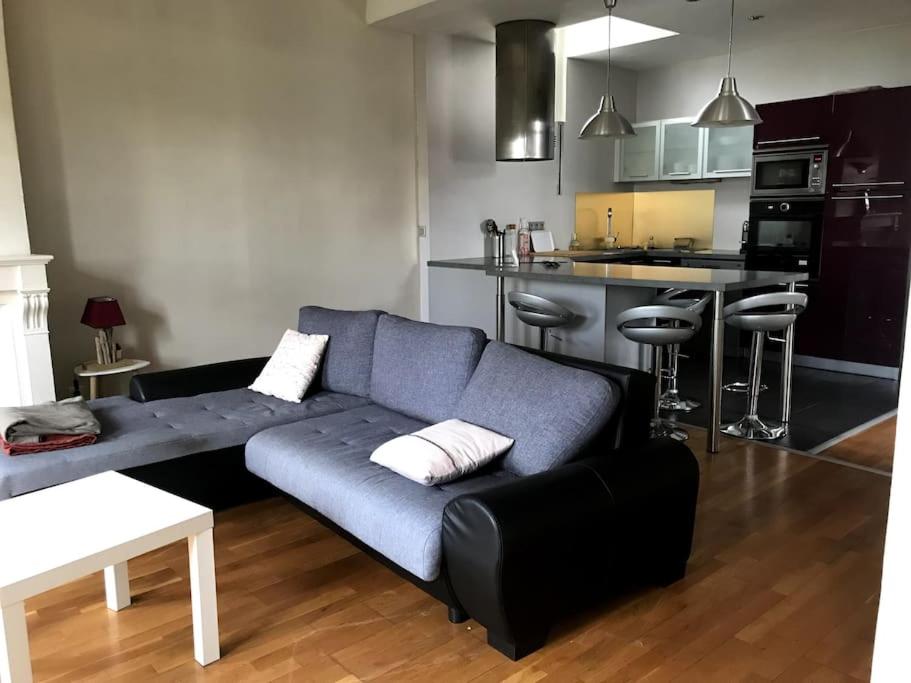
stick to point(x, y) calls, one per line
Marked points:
point(629, 427)
point(552, 411)
point(348, 360)
point(421, 369)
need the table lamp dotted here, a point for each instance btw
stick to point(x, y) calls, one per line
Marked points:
point(103, 314)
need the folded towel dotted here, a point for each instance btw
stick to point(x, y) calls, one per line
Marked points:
point(68, 417)
point(54, 442)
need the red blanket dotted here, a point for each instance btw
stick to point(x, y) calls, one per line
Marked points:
point(52, 442)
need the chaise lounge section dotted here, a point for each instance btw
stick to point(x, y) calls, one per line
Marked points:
point(581, 506)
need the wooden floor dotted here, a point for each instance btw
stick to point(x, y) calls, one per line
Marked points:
point(874, 447)
point(782, 585)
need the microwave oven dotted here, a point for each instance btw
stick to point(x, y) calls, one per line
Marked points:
point(790, 173)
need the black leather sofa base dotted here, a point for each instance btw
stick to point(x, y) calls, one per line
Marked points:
point(516, 557)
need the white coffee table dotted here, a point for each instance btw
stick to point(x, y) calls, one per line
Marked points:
point(60, 534)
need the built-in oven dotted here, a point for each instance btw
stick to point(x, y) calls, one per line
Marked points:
point(790, 173)
point(784, 234)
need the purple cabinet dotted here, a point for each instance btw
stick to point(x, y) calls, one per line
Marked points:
point(857, 307)
point(870, 144)
point(794, 123)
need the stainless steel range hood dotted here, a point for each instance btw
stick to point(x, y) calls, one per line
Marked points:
point(525, 90)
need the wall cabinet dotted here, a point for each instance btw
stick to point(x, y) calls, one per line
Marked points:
point(672, 149)
point(680, 150)
point(795, 123)
point(728, 152)
point(637, 157)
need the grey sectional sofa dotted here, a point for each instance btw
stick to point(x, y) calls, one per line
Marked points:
point(581, 504)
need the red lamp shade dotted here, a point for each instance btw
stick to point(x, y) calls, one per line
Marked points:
point(102, 312)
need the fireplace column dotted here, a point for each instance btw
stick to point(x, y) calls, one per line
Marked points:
point(26, 375)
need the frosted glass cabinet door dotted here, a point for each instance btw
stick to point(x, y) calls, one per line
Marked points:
point(728, 152)
point(681, 150)
point(637, 157)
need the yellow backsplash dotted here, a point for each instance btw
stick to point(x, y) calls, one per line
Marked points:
point(639, 215)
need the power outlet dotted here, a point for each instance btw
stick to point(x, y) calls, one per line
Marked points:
point(535, 225)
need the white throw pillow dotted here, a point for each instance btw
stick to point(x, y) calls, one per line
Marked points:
point(292, 367)
point(442, 452)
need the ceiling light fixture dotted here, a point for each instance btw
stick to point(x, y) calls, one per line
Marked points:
point(728, 109)
point(607, 121)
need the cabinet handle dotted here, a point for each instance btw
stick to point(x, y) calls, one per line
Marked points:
point(888, 182)
point(641, 175)
point(680, 173)
point(783, 140)
point(868, 197)
point(732, 170)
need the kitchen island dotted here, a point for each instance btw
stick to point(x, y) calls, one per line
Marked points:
point(597, 293)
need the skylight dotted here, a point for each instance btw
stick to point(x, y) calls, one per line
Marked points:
point(590, 37)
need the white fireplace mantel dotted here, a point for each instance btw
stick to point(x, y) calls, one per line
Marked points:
point(26, 376)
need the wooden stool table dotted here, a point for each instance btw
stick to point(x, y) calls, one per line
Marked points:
point(60, 534)
point(94, 370)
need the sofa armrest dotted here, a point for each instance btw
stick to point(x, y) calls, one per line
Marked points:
point(200, 379)
point(518, 554)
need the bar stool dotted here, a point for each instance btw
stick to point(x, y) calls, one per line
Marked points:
point(760, 315)
point(679, 298)
point(660, 327)
point(540, 312)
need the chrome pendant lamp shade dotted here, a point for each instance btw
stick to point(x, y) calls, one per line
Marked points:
point(728, 109)
point(607, 121)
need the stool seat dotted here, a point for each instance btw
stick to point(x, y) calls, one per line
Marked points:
point(540, 312)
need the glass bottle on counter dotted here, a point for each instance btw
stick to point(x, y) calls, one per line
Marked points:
point(524, 237)
point(512, 245)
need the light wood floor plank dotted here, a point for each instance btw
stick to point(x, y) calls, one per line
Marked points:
point(782, 585)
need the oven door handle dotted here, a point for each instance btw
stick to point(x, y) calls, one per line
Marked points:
point(788, 140)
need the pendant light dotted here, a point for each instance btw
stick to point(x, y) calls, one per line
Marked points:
point(607, 121)
point(728, 109)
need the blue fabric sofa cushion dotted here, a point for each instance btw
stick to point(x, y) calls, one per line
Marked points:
point(420, 369)
point(325, 463)
point(136, 433)
point(348, 359)
point(552, 411)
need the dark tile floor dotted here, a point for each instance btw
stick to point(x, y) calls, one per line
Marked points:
point(824, 404)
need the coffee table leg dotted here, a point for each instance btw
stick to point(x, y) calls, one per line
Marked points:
point(15, 664)
point(202, 596)
point(117, 586)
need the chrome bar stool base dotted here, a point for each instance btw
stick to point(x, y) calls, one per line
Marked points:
point(671, 400)
point(751, 427)
point(742, 387)
point(665, 429)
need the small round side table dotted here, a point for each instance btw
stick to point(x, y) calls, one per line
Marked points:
point(95, 370)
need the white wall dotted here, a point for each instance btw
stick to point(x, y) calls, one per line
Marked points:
point(816, 66)
point(13, 230)
point(214, 164)
point(467, 185)
point(890, 654)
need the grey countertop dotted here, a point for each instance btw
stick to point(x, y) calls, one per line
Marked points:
point(699, 254)
point(700, 279)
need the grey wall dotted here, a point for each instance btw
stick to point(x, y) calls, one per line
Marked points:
point(811, 67)
point(466, 184)
point(214, 164)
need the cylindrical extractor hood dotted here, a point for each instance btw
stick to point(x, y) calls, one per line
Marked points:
point(525, 90)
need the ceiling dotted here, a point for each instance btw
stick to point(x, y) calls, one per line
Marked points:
point(702, 25)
